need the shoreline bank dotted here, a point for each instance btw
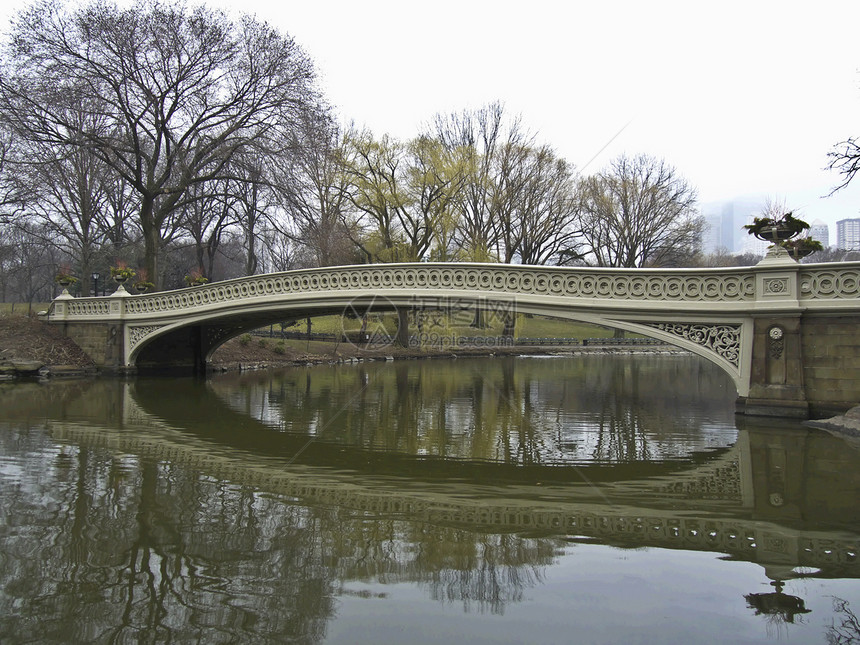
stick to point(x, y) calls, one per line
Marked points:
point(30, 349)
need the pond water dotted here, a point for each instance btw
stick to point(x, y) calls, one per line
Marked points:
point(587, 499)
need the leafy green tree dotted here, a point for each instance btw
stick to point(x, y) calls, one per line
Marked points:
point(403, 196)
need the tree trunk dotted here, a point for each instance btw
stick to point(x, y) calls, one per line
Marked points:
point(251, 259)
point(480, 319)
point(151, 243)
point(402, 337)
point(510, 324)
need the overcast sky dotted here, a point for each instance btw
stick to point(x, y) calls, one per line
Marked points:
point(742, 98)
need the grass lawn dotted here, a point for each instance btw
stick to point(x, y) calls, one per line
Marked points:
point(458, 325)
point(454, 325)
point(22, 308)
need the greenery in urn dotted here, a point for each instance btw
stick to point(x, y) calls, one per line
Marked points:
point(122, 272)
point(64, 276)
point(801, 247)
point(775, 228)
point(196, 278)
point(143, 284)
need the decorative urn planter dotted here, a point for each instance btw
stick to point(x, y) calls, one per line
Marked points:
point(196, 279)
point(143, 287)
point(65, 280)
point(121, 273)
point(778, 232)
point(801, 247)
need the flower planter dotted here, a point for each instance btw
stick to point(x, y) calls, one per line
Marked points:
point(777, 233)
point(143, 287)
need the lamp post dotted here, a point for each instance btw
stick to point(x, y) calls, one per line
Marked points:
point(95, 276)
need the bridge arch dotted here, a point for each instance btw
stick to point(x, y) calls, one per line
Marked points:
point(716, 341)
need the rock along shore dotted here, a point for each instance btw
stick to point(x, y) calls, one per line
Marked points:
point(843, 425)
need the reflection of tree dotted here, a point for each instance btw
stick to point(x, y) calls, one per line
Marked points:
point(847, 632)
point(115, 551)
point(512, 411)
point(490, 573)
point(621, 433)
point(483, 571)
point(116, 547)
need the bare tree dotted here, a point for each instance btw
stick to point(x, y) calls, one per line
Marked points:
point(845, 159)
point(70, 199)
point(511, 206)
point(252, 193)
point(488, 143)
point(639, 212)
point(207, 216)
point(181, 90)
point(14, 192)
point(541, 220)
point(30, 264)
point(312, 187)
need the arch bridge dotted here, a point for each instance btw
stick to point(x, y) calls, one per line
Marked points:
point(787, 334)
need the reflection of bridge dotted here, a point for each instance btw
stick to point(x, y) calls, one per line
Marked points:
point(753, 502)
point(787, 334)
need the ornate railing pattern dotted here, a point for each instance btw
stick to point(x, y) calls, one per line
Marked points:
point(819, 282)
point(89, 307)
point(830, 283)
point(593, 284)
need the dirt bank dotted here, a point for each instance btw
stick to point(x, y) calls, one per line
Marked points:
point(26, 342)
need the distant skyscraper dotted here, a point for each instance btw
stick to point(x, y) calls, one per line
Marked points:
point(821, 232)
point(743, 212)
point(724, 225)
point(848, 234)
point(712, 239)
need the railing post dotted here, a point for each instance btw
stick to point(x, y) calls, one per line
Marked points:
point(59, 309)
point(776, 370)
point(116, 347)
